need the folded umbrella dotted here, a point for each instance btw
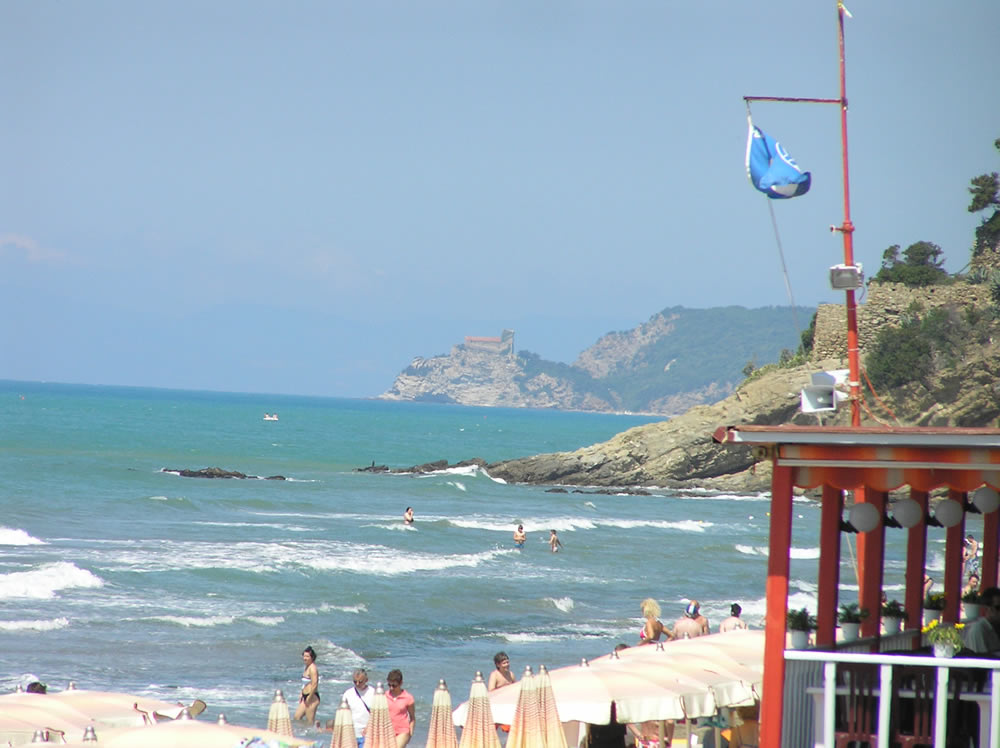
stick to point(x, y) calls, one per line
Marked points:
point(379, 733)
point(278, 718)
point(526, 729)
point(479, 731)
point(343, 727)
point(441, 732)
point(548, 713)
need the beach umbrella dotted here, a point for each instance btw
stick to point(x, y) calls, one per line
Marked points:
point(343, 727)
point(24, 713)
point(116, 709)
point(678, 680)
point(479, 729)
point(441, 732)
point(278, 718)
point(526, 728)
point(379, 733)
point(548, 712)
point(184, 732)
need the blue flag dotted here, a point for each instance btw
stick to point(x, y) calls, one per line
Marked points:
point(771, 169)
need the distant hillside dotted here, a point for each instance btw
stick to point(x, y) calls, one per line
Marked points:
point(678, 358)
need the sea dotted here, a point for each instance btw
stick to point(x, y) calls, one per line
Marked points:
point(117, 573)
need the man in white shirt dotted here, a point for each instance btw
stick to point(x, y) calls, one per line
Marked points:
point(359, 698)
point(982, 636)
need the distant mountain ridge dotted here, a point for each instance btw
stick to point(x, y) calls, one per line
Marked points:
point(678, 358)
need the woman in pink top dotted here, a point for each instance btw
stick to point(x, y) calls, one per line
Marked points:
point(400, 708)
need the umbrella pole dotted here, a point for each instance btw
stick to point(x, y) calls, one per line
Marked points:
point(661, 728)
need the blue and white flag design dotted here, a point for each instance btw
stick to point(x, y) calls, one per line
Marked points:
point(771, 169)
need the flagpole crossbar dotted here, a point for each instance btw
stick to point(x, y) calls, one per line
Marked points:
point(797, 99)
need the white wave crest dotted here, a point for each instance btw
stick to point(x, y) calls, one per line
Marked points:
point(687, 525)
point(44, 582)
point(13, 536)
point(50, 625)
point(458, 484)
point(387, 562)
point(196, 621)
point(271, 621)
point(565, 604)
point(762, 550)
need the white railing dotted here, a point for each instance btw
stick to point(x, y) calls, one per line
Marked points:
point(824, 728)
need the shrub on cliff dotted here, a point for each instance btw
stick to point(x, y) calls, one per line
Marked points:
point(920, 265)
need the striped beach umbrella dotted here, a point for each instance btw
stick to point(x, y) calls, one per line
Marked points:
point(278, 718)
point(479, 731)
point(441, 732)
point(548, 713)
point(379, 733)
point(343, 728)
point(526, 729)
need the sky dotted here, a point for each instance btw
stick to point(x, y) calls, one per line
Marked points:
point(300, 197)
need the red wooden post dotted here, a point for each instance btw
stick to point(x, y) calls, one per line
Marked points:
point(991, 545)
point(771, 702)
point(916, 564)
point(871, 550)
point(829, 565)
point(954, 543)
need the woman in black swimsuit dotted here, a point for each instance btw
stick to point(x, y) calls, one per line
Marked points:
point(309, 699)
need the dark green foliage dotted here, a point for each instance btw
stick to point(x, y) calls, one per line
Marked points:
point(921, 345)
point(921, 265)
point(808, 336)
point(985, 191)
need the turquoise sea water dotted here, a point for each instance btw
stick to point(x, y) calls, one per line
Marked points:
point(117, 575)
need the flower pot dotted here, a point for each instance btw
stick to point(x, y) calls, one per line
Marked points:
point(800, 639)
point(931, 615)
point(892, 624)
point(944, 650)
point(850, 631)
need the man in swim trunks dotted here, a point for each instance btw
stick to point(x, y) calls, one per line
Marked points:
point(519, 537)
point(554, 543)
point(688, 626)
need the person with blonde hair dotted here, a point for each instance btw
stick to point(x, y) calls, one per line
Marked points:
point(653, 629)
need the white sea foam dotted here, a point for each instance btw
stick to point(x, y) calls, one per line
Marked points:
point(565, 604)
point(762, 550)
point(45, 581)
point(388, 562)
point(396, 526)
point(195, 621)
point(48, 625)
point(530, 637)
point(14, 536)
point(458, 484)
point(270, 621)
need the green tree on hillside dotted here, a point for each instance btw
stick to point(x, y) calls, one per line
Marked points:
point(985, 192)
point(921, 265)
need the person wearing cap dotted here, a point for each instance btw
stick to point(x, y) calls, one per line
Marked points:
point(688, 626)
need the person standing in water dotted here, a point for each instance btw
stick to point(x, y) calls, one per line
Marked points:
point(309, 698)
point(401, 709)
point(554, 543)
point(519, 537)
point(734, 621)
point(408, 515)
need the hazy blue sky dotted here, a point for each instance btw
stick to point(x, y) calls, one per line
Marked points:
point(300, 197)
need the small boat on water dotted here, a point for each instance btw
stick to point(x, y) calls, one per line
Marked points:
point(270, 416)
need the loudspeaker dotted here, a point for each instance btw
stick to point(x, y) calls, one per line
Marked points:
point(818, 397)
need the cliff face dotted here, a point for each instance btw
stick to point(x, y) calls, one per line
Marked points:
point(470, 377)
point(677, 359)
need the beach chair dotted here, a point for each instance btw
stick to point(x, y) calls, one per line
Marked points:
point(859, 707)
point(913, 717)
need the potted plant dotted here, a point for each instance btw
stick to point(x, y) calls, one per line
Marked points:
point(970, 604)
point(893, 615)
point(800, 623)
point(945, 639)
point(850, 618)
point(933, 605)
